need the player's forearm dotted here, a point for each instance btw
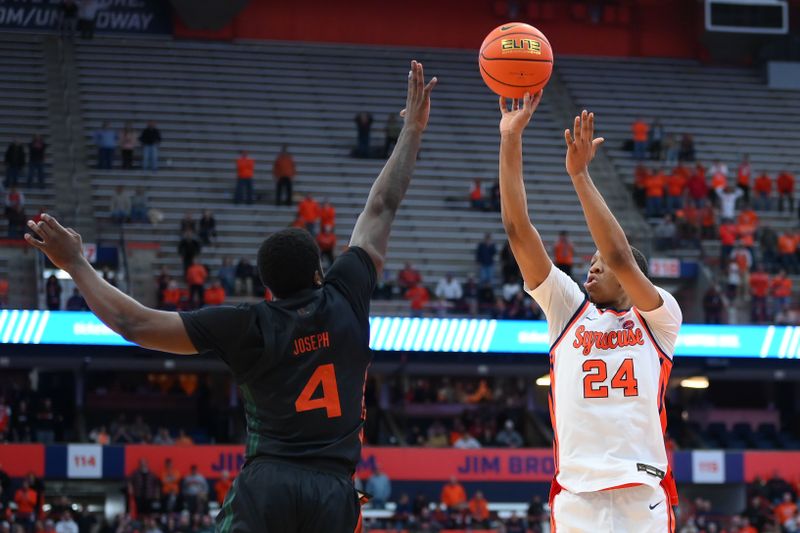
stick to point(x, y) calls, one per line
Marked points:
point(513, 199)
point(608, 235)
point(121, 313)
point(392, 183)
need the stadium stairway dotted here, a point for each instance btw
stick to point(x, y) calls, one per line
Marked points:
point(213, 99)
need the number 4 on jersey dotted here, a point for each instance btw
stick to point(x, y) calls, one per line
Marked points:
point(597, 373)
point(324, 375)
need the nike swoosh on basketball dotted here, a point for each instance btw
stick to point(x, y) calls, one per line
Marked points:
point(504, 28)
point(654, 506)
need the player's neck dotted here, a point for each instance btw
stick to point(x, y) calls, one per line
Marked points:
point(623, 303)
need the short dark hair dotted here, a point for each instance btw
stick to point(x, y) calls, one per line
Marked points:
point(287, 261)
point(641, 261)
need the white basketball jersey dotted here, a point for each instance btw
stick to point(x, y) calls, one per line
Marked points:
point(609, 372)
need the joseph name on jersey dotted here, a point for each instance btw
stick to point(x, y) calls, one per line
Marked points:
point(609, 372)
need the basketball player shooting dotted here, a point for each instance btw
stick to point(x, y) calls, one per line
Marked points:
point(611, 353)
point(300, 361)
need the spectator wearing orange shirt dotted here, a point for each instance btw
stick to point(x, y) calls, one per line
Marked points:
point(284, 171)
point(419, 297)
point(727, 237)
point(708, 220)
point(215, 294)
point(747, 216)
point(654, 189)
point(171, 296)
point(245, 171)
point(640, 131)
point(763, 190)
point(327, 214)
point(196, 276)
point(759, 288)
point(222, 486)
point(785, 511)
point(785, 186)
point(476, 195)
point(743, 177)
point(564, 253)
point(479, 509)
point(326, 240)
point(781, 289)
point(3, 293)
point(408, 277)
point(676, 187)
point(787, 249)
point(744, 262)
point(310, 212)
point(170, 486)
point(453, 494)
point(25, 498)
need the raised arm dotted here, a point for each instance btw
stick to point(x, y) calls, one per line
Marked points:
point(606, 232)
point(149, 328)
point(529, 251)
point(375, 222)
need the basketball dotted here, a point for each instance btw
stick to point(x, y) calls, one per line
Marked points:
point(515, 58)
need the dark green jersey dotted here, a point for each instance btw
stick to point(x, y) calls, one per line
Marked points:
point(300, 364)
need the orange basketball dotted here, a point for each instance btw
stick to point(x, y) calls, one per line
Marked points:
point(515, 58)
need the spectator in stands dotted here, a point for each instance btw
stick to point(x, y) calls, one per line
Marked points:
point(697, 187)
point(227, 276)
point(120, 205)
point(781, 292)
point(143, 488)
point(466, 442)
point(163, 437)
point(52, 291)
point(68, 18)
point(87, 15)
point(408, 277)
point(171, 297)
point(743, 174)
point(326, 240)
point(510, 288)
point(712, 305)
point(25, 498)
point(655, 138)
point(787, 252)
point(707, 221)
point(727, 201)
point(676, 189)
point(471, 296)
point(763, 190)
point(453, 495)
point(188, 223)
point(36, 150)
point(759, 287)
point(208, 227)
point(665, 233)
point(768, 245)
point(479, 509)
point(393, 128)
point(564, 253)
point(640, 175)
point(484, 256)
point(21, 423)
point(245, 171)
point(786, 512)
point(310, 213)
point(106, 140)
point(419, 298)
point(654, 189)
point(15, 162)
point(284, 172)
point(363, 126)
point(508, 437)
point(100, 436)
point(222, 486)
point(449, 289)
point(734, 281)
point(15, 212)
point(150, 138)
point(215, 294)
point(196, 276)
point(127, 143)
point(3, 293)
point(66, 524)
point(744, 260)
point(76, 302)
point(139, 209)
point(243, 282)
point(195, 491)
point(327, 214)
point(640, 131)
point(140, 431)
point(170, 486)
point(687, 151)
point(669, 153)
point(476, 200)
point(785, 186)
point(380, 487)
point(189, 247)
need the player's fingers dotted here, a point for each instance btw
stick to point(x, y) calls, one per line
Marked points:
point(33, 241)
point(591, 125)
point(538, 97)
point(430, 86)
point(37, 229)
point(515, 104)
point(586, 132)
point(576, 127)
point(597, 142)
point(420, 78)
point(52, 223)
point(403, 113)
point(503, 105)
point(567, 137)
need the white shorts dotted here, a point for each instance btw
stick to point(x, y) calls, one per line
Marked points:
point(640, 509)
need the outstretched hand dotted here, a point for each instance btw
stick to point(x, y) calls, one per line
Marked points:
point(514, 121)
point(581, 144)
point(61, 245)
point(418, 100)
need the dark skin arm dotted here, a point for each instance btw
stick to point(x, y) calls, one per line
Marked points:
point(374, 224)
point(149, 328)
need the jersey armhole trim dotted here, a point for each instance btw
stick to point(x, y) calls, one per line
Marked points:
point(650, 334)
point(571, 322)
